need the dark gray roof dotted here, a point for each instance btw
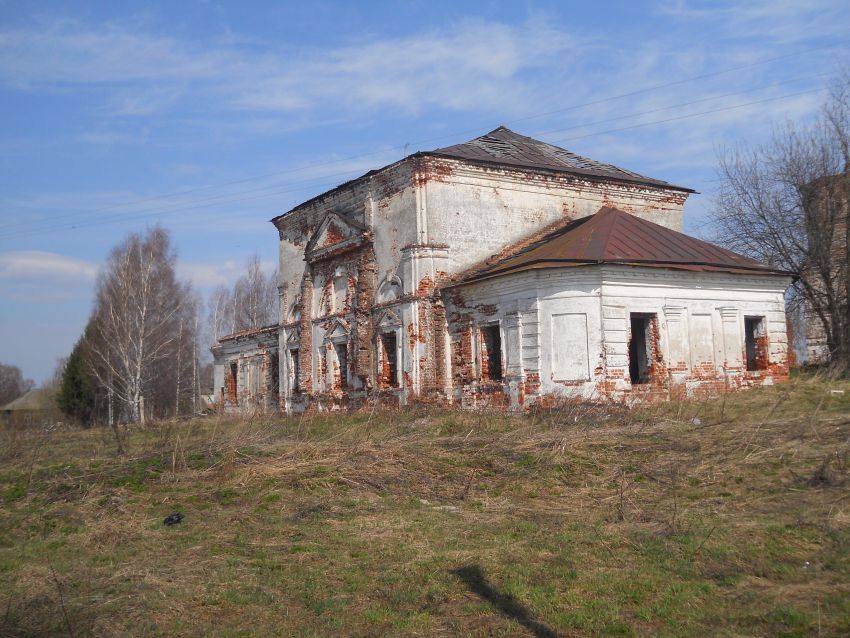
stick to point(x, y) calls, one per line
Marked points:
point(503, 146)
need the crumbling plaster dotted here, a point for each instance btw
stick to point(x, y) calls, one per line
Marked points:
point(375, 256)
point(546, 361)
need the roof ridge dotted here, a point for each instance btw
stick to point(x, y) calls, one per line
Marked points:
point(609, 210)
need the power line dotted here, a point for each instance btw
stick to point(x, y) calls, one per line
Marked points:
point(681, 104)
point(441, 137)
point(237, 197)
point(678, 82)
point(233, 198)
point(684, 117)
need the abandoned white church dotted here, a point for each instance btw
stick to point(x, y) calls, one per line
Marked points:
point(503, 271)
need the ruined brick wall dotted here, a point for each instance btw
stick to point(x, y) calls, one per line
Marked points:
point(373, 256)
point(363, 327)
point(397, 235)
point(254, 354)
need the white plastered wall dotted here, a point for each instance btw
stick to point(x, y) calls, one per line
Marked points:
point(478, 211)
point(696, 313)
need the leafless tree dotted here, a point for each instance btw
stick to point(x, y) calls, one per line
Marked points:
point(255, 297)
point(141, 335)
point(220, 318)
point(251, 303)
point(785, 203)
point(12, 383)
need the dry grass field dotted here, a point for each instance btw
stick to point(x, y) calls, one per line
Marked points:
point(714, 518)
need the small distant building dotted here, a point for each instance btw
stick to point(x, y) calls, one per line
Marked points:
point(35, 408)
point(503, 271)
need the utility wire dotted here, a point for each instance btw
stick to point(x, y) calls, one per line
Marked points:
point(679, 105)
point(215, 201)
point(237, 197)
point(684, 117)
point(432, 139)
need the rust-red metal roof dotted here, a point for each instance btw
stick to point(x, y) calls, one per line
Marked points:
point(612, 236)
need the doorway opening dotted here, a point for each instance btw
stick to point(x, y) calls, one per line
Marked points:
point(389, 360)
point(641, 348)
point(491, 340)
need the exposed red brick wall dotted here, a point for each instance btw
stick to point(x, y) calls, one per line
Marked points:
point(363, 328)
point(305, 334)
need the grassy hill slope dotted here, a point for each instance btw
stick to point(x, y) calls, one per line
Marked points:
point(716, 518)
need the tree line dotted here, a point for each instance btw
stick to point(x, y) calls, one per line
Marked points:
point(144, 352)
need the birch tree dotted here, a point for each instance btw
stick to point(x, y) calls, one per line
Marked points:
point(135, 330)
point(255, 297)
point(251, 303)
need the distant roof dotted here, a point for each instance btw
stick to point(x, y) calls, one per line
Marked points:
point(38, 399)
point(612, 236)
point(503, 146)
point(248, 332)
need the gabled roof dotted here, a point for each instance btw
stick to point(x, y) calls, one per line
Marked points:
point(612, 236)
point(36, 399)
point(504, 147)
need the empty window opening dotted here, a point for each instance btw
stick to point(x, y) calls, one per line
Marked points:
point(231, 382)
point(389, 360)
point(491, 355)
point(341, 350)
point(640, 349)
point(755, 338)
point(274, 376)
point(294, 371)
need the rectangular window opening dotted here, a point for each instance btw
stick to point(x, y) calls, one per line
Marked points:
point(341, 350)
point(274, 375)
point(491, 355)
point(389, 360)
point(640, 349)
point(231, 382)
point(755, 338)
point(294, 371)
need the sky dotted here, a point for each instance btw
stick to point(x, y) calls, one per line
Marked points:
point(210, 118)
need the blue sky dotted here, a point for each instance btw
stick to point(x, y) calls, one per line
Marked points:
point(212, 117)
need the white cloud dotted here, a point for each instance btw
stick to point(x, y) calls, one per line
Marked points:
point(781, 20)
point(41, 267)
point(207, 275)
point(471, 65)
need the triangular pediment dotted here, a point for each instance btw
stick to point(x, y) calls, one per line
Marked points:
point(337, 331)
point(293, 339)
point(388, 321)
point(334, 232)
